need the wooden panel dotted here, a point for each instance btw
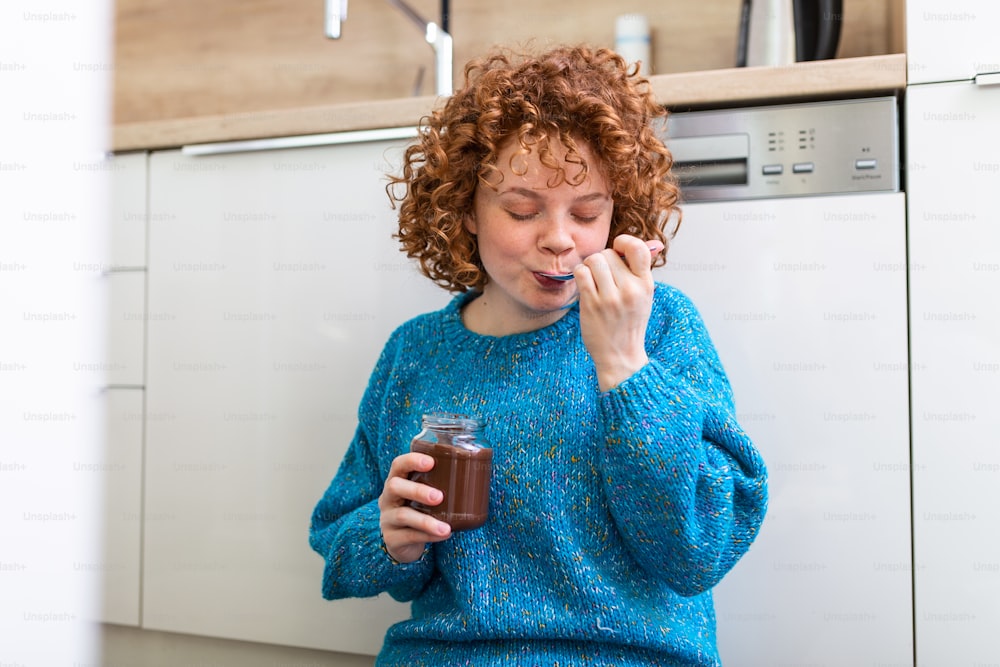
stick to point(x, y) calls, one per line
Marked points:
point(897, 26)
point(185, 58)
point(821, 79)
point(825, 79)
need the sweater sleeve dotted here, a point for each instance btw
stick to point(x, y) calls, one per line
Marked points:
point(345, 523)
point(686, 486)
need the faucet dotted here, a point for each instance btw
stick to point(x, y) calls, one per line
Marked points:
point(439, 39)
point(435, 35)
point(336, 13)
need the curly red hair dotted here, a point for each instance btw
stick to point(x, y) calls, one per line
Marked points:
point(568, 94)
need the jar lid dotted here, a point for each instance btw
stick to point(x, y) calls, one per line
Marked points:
point(451, 421)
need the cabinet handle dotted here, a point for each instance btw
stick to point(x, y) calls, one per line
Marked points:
point(988, 79)
point(301, 141)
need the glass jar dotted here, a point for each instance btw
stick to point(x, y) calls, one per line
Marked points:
point(463, 466)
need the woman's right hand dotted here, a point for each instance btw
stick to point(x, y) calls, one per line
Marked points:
point(405, 530)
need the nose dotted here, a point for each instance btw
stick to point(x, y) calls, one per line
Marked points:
point(556, 235)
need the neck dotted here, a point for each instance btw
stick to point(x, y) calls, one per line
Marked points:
point(489, 316)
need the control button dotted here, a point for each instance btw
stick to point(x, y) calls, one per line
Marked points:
point(773, 169)
point(866, 164)
point(803, 167)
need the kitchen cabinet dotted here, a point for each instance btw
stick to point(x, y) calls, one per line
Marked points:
point(273, 284)
point(128, 210)
point(954, 276)
point(122, 396)
point(121, 467)
point(811, 329)
point(951, 41)
point(127, 327)
point(954, 269)
point(121, 470)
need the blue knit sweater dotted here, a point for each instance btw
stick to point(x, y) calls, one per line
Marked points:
point(612, 515)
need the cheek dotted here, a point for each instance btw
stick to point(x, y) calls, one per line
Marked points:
point(599, 237)
point(498, 249)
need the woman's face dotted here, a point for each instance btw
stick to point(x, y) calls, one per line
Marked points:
point(526, 228)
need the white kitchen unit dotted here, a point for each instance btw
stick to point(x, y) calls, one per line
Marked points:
point(121, 472)
point(121, 466)
point(793, 248)
point(273, 284)
point(127, 335)
point(128, 210)
point(951, 41)
point(953, 160)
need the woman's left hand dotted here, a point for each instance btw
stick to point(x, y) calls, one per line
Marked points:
point(616, 297)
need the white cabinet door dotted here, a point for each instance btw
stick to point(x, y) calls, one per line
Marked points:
point(120, 467)
point(273, 284)
point(128, 210)
point(121, 473)
point(126, 332)
point(805, 299)
point(954, 237)
point(949, 41)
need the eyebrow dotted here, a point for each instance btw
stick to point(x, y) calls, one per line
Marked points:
point(534, 194)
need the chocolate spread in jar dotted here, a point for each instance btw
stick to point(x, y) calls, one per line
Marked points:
point(462, 473)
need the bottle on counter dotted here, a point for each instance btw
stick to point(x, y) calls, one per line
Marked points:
point(633, 41)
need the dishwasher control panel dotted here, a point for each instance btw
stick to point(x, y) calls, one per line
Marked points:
point(789, 150)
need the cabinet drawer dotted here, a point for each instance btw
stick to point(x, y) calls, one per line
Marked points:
point(128, 211)
point(119, 469)
point(127, 331)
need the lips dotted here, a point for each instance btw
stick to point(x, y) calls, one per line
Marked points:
point(545, 281)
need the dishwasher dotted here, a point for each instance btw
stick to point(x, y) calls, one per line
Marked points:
point(793, 248)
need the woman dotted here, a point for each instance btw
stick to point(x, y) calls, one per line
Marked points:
point(623, 488)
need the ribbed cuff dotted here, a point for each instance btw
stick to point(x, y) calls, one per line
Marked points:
point(653, 389)
point(385, 550)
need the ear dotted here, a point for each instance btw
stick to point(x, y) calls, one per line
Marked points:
point(469, 222)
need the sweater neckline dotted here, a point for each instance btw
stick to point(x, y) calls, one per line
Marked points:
point(563, 329)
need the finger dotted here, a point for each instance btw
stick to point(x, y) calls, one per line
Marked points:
point(406, 543)
point(603, 267)
point(584, 279)
point(400, 540)
point(404, 464)
point(638, 255)
point(405, 525)
point(399, 490)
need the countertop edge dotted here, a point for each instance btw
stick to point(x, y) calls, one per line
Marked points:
point(719, 88)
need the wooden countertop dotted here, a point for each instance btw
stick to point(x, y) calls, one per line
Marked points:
point(824, 79)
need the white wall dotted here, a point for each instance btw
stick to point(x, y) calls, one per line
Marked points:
point(54, 77)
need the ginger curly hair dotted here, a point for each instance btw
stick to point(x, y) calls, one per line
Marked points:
point(568, 94)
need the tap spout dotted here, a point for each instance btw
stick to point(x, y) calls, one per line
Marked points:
point(440, 41)
point(336, 14)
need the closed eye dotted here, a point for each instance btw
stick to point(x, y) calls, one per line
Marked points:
point(521, 216)
point(587, 216)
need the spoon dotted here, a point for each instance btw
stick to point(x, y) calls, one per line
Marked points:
point(654, 247)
